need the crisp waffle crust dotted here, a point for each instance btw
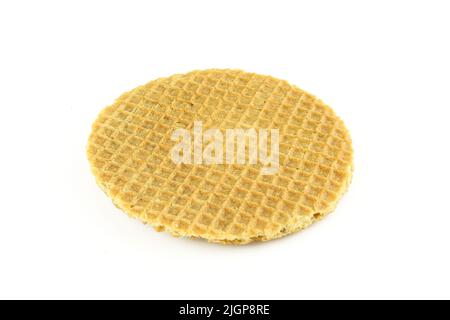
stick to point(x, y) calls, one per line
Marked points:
point(130, 145)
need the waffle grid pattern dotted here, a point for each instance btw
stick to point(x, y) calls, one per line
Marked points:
point(129, 152)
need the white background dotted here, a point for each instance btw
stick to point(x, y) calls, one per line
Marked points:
point(382, 65)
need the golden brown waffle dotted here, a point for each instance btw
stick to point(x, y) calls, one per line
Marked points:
point(130, 144)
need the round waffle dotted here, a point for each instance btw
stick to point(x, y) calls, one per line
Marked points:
point(130, 147)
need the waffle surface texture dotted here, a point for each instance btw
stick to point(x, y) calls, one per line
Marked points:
point(130, 145)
